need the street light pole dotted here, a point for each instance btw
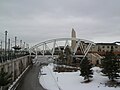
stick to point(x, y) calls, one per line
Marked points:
point(5, 44)
point(15, 52)
point(8, 44)
point(8, 49)
point(21, 43)
point(15, 40)
point(1, 45)
point(1, 52)
point(24, 48)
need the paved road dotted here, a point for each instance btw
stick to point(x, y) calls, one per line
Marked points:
point(31, 81)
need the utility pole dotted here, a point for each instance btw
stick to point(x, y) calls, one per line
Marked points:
point(6, 44)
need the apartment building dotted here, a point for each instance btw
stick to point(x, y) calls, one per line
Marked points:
point(102, 48)
point(98, 51)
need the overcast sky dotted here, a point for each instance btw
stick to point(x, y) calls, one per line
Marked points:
point(35, 21)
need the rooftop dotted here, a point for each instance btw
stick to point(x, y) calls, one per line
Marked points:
point(106, 44)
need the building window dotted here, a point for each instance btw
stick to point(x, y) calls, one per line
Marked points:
point(107, 46)
point(116, 47)
point(99, 49)
point(103, 46)
point(111, 47)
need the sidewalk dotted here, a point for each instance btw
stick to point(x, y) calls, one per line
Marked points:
point(48, 80)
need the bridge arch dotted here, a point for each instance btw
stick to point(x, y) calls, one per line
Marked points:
point(51, 45)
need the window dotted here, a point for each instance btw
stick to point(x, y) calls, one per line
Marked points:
point(103, 46)
point(107, 46)
point(111, 47)
point(99, 48)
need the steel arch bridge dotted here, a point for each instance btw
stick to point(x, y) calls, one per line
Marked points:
point(53, 44)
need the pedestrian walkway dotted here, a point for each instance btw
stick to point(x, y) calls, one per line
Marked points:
point(31, 80)
point(48, 80)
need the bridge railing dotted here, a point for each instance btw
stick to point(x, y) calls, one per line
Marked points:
point(11, 55)
point(17, 67)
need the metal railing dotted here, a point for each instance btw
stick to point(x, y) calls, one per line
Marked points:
point(17, 81)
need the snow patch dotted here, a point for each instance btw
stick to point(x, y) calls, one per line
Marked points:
point(72, 80)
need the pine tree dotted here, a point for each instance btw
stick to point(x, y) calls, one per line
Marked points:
point(68, 54)
point(110, 65)
point(5, 78)
point(61, 57)
point(85, 69)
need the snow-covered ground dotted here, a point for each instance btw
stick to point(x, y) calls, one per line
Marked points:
point(72, 80)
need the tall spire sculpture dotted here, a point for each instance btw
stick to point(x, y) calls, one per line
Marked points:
point(73, 42)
